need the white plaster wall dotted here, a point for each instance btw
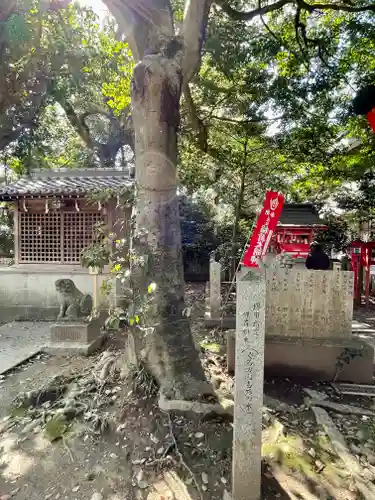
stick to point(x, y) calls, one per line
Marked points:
point(28, 291)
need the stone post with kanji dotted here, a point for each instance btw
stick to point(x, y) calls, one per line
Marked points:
point(215, 289)
point(250, 337)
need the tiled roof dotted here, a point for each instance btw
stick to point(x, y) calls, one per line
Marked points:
point(64, 185)
point(300, 214)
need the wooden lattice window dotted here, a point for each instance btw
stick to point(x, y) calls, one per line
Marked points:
point(55, 237)
point(78, 233)
point(40, 239)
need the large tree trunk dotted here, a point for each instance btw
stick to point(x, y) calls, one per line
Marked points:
point(237, 214)
point(167, 348)
point(165, 59)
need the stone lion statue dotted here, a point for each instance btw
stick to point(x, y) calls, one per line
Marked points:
point(73, 303)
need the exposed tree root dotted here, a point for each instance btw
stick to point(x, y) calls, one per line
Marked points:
point(225, 407)
point(143, 382)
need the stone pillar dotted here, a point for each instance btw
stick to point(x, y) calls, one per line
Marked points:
point(215, 289)
point(336, 266)
point(250, 336)
point(94, 271)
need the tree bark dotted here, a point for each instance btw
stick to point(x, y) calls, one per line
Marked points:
point(166, 61)
point(234, 245)
point(119, 135)
point(237, 213)
point(168, 349)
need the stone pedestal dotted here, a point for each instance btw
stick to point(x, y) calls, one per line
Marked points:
point(309, 327)
point(318, 359)
point(247, 436)
point(76, 337)
point(311, 358)
point(94, 271)
point(336, 266)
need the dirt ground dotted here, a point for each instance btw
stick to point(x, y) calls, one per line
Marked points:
point(89, 437)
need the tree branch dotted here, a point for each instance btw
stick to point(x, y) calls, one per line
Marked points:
point(328, 6)
point(196, 122)
point(94, 110)
point(118, 136)
point(302, 4)
point(77, 122)
point(23, 117)
point(210, 85)
point(146, 25)
point(244, 122)
point(248, 16)
point(193, 32)
point(199, 126)
point(282, 42)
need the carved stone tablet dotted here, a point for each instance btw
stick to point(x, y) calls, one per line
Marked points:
point(309, 304)
point(247, 438)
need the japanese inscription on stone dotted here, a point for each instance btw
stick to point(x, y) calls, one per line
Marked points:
point(310, 304)
point(250, 332)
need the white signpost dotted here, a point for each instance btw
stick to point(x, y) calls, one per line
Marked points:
point(250, 337)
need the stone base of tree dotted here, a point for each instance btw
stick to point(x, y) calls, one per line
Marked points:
point(312, 358)
point(76, 337)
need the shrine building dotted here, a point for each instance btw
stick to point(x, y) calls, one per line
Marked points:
point(298, 225)
point(54, 220)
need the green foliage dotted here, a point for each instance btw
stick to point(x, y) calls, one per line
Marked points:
point(339, 233)
point(56, 428)
point(317, 73)
point(296, 86)
point(210, 346)
point(58, 84)
point(270, 109)
point(197, 226)
point(241, 163)
point(118, 88)
point(53, 144)
point(6, 231)
point(95, 256)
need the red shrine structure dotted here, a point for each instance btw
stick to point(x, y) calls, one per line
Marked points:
point(362, 255)
point(297, 227)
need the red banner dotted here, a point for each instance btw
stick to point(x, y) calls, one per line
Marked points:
point(371, 119)
point(265, 226)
